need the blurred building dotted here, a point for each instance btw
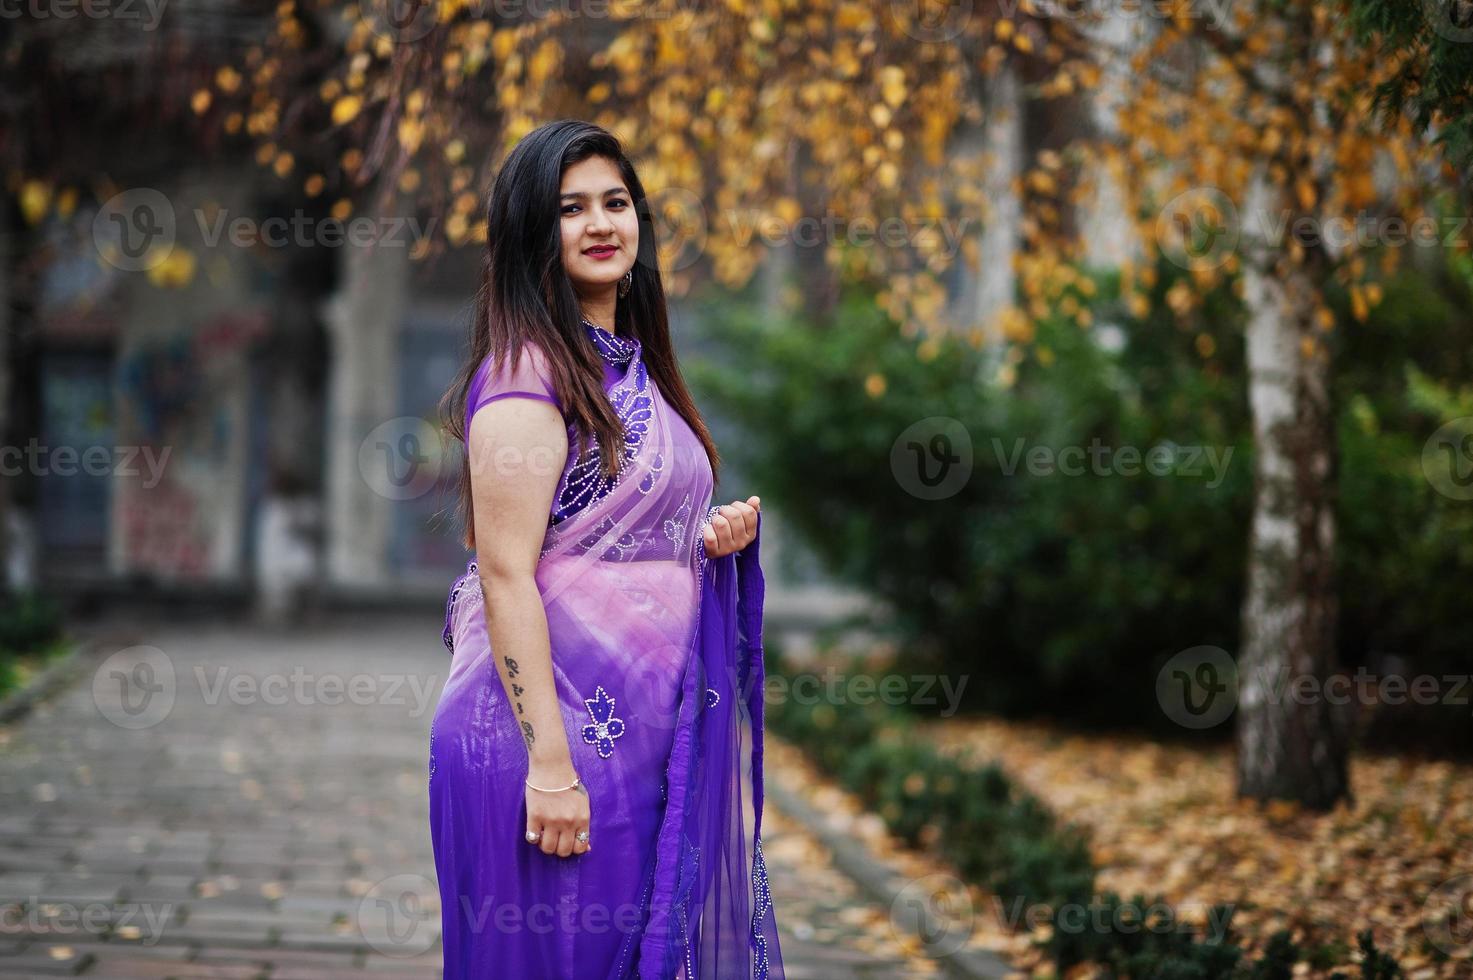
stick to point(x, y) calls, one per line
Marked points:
point(253, 419)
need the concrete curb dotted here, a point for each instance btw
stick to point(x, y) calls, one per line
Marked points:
point(48, 681)
point(884, 884)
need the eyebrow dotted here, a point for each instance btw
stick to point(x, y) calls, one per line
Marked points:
point(581, 194)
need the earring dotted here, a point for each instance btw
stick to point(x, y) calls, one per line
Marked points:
point(625, 283)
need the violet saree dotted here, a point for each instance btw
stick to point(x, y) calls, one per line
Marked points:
point(657, 662)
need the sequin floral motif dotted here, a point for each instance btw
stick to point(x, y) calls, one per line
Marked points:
point(605, 727)
point(674, 526)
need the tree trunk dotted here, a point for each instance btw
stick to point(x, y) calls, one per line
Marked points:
point(1293, 743)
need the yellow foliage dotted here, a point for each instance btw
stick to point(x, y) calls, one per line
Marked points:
point(1304, 188)
point(35, 201)
point(892, 85)
point(172, 270)
point(346, 109)
point(411, 133)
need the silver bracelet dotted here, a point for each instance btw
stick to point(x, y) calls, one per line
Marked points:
point(573, 785)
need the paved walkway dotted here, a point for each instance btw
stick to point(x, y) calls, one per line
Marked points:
point(228, 802)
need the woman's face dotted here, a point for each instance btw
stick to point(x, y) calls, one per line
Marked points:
point(598, 214)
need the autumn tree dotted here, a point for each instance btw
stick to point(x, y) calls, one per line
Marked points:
point(1431, 80)
point(1248, 150)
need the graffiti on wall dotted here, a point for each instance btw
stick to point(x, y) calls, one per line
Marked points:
point(182, 395)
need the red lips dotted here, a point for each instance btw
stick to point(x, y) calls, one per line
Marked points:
point(600, 250)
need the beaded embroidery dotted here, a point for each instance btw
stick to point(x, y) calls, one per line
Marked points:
point(634, 407)
point(675, 525)
point(689, 864)
point(605, 727)
point(712, 698)
point(461, 583)
point(762, 903)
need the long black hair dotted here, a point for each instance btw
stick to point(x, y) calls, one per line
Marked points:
point(525, 294)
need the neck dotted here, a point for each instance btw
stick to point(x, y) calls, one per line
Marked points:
point(600, 311)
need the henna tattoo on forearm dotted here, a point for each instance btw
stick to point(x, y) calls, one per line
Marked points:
point(527, 735)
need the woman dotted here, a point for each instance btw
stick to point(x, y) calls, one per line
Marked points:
point(586, 757)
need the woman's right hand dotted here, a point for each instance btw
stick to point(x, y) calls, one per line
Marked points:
point(558, 816)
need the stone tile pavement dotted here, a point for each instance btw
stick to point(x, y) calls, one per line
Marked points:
point(227, 801)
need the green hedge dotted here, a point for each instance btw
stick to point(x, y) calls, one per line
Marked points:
point(1006, 840)
point(30, 626)
point(1055, 590)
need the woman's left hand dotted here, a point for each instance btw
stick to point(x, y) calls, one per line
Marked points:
point(732, 527)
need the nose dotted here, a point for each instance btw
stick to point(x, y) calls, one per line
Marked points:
point(598, 221)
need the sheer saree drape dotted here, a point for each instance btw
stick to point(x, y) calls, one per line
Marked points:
point(657, 662)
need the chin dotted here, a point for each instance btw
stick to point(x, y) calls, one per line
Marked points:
point(599, 277)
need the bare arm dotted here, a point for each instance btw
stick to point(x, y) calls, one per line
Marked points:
point(517, 449)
